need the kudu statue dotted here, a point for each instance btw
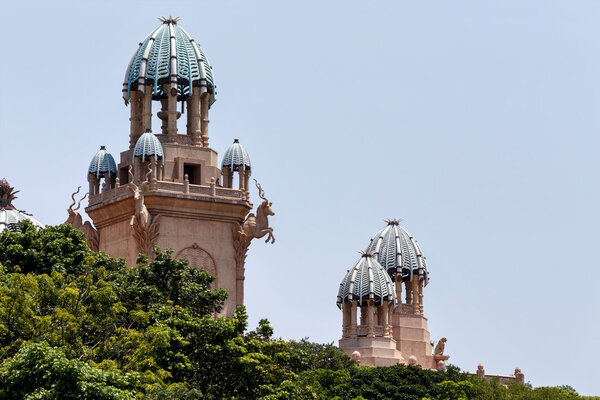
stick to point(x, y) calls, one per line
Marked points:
point(258, 226)
point(141, 212)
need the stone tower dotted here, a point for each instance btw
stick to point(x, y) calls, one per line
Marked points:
point(167, 189)
point(397, 253)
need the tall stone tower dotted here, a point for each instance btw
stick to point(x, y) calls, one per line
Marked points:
point(167, 189)
point(397, 265)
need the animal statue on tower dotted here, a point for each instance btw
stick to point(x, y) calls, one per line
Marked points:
point(254, 227)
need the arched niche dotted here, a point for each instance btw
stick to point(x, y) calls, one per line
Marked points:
point(201, 259)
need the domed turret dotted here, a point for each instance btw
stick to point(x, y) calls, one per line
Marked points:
point(168, 67)
point(367, 286)
point(236, 156)
point(148, 146)
point(10, 217)
point(366, 281)
point(236, 159)
point(102, 164)
point(169, 55)
point(398, 252)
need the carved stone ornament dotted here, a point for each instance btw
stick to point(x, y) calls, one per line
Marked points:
point(254, 227)
point(91, 234)
point(144, 225)
point(439, 348)
point(199, 258)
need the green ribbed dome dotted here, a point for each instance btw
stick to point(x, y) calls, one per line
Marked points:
point(102, 163)
point(169, 55)
point(148, 146)
point(365, 281)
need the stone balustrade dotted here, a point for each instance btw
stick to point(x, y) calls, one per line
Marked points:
point(203, 191)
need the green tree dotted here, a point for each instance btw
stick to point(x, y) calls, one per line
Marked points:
point(40, 372)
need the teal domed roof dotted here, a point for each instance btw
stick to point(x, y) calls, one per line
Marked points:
point(102, 163)
point(236, 156)
point(148, 146)
point(10, 217)
point(366, 280)
point(169, 55)
point(398, 252)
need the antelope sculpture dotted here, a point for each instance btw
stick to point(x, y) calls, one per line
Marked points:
point(255, 226)
point(141, 212)
point(258, 226)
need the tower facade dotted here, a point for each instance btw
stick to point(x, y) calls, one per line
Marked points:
point(397, 253)
point(167, 189)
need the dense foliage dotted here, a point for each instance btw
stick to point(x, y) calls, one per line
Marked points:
point(75, 324)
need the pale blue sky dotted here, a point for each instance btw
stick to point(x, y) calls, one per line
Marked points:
point(475, 121)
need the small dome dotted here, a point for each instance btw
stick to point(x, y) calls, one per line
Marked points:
point(366, 280)
point(236, 156)
point(102, 163)
point(10, 217)
point(148, 145)
point(169, 55)
point(397, 252)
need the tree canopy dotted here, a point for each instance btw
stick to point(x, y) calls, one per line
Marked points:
point(76, 324)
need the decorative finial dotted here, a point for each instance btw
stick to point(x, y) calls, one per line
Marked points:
point(7, 194)
point(236, 140)
point(169, 20)
point(365, 254)
point(393, 221)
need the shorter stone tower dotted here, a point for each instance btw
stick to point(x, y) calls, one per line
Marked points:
point(368, 286)
point(398, 254)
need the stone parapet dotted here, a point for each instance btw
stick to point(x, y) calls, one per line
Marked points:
point(199, 192)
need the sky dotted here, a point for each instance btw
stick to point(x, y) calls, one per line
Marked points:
point(475, 121)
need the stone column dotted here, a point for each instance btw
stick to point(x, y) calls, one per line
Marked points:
point(239, 286)
point(91, 184)
point(415, 293)
point(163, 114)
point(227, 177)
point(159, 171)
point(408, 293)
point(241, 176)
point(147, 109)
point(363, 315)
point(246, 186)
point(370, 319)
point(421, 296)
point(137, 170)
point(153, 179)
point(204, 116)
point(386, 319)
point(399, 286)
point(112, 181)
point(172, 115)
point(194, 129)
point(136, 111)
point(390, 313)
point(353, 315)
point(346, 311)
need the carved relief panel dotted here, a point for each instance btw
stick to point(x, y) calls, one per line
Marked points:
point(200, 259)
